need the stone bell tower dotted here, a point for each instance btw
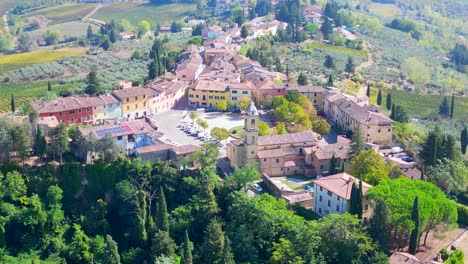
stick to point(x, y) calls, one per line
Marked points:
point(251, 133)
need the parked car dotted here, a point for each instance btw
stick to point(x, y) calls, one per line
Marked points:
point(395, 150)
point(257, 187)
point(407, 159)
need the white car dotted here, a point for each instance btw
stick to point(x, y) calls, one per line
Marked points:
point(257, 187)
point(395, 150)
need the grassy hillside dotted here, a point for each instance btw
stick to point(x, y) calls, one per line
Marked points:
point(64, 13)
point(17, 61)
point(422, 105)
point(135, 12)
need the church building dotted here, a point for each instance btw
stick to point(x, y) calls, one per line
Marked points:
point(275, 155)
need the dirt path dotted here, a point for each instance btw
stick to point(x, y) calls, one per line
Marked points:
point(368, 63)
point(6, 27)
point(88, 18)
point(435, 242)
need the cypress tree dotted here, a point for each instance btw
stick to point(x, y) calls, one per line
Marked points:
point(244, 32)
point(414, 238)
point(392, 115)
point(380, 226)
point(329, 62)
point(448, 147)
point(430, 148)
point(359, 200)
point(111, 251)
point(287, 70)
point(333, 165)
point(213, 244)
point(302, 79)
point(112, 36)
point(330, 81)
point(464, 140)
point(13, 107)
point(379, 97)
point(49, 86)
point(349, 67)
point(368, 90)
point(444, 109)
point(187, 250)
point(452, 108)
point(228, 256)
point(353, 208)
point(93, 86)
point(162, 220)
point(389, 101)
point(89, 33)
point(39, 143)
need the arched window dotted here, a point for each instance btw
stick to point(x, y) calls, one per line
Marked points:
point(253, 123)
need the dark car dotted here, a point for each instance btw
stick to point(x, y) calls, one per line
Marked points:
point(407, 159)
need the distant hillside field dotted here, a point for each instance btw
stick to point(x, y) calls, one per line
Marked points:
point(135, 12)
point(422, 105)
point(17, 61)
point(386, 10)
point(64, 13)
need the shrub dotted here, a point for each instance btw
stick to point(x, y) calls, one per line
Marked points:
point(462, 214)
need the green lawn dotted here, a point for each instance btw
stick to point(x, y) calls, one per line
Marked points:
point(323, 46)
point(68, 29)
point(422, 105)
point(64, 13)
point(135, 12)
point(17, 61)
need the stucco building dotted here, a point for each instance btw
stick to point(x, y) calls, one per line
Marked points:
point(332, 194)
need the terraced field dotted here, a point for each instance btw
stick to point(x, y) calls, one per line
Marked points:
point(135, 12)
point(64, 13)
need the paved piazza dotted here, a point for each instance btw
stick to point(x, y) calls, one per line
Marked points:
point(167, 123)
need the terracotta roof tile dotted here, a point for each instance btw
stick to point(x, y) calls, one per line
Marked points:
point(340, 184)
point(287, 138)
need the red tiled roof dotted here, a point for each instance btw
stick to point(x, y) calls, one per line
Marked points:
point(185, 149)
point(154, 148)
point(287, 138)
point(129, 92)
point(341, 184)
point(270, 153)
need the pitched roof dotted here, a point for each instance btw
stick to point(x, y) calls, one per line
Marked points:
point(130, 92)
point(340, 150)
point(138, 127)
point(297, 197)
point(185, 149)
point(287, 138)
point(270, 153)
point(154, 148)
point(341, 184)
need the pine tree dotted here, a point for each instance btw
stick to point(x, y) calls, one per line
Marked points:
point(40, 143)
point(329, 62)
point(89, 33)
point(452, 108)
point(379, 97)
point(187, 250)
point(389, 101)
point(162, 244)
point(464, 140)
point(368, 90)
point(444, 109)
point(244, 32)
point(12, 104)
point(380, 226)
point(302, 79)
point(213, 244)
point(349, 68)
point(333, 165)
point(330, 81)
point(49, 86)
point(393, 114)
point(414, 238)
point(162, 219)
point(93, 86)
point(228, 256)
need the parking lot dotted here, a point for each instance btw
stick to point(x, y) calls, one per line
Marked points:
point(170, 123)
